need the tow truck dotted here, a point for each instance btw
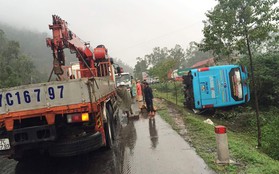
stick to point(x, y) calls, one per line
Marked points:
point(72, 115)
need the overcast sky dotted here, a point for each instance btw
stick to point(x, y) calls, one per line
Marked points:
point(128, 28)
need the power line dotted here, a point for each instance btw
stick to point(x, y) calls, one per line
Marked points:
point(162, 36)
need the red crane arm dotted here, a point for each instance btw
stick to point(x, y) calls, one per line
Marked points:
point(95, 64)
point(63, 38)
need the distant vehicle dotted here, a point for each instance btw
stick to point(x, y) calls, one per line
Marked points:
point(183, 71)
point(178, 73)
point(150, 79)
point(156, 80)
point(216, 86)
point(145, 76)
point(124, 77)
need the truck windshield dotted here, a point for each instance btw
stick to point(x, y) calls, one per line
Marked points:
point(123, 78)
point(236, 85)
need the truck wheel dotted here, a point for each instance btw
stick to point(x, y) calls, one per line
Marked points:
point(76, 146)
point(27, 155)
point(18, 158)
point(113, 122)
point(108, 130)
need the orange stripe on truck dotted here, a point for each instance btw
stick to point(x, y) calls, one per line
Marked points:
point(50, 113)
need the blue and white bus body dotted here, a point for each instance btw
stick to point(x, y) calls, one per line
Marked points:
point(220, 86)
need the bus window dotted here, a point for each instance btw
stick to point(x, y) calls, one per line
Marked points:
point(235, 84)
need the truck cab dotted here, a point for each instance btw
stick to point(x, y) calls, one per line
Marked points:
point(124, 77)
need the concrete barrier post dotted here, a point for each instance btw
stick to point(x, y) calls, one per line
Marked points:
point(222, 145)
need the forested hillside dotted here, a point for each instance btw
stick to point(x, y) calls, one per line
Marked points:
point(162, 60)
point(33, 45)
point(126, 67)
point(16, 68)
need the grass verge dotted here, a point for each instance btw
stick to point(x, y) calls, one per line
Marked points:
point(165, 115)
point(242, 148)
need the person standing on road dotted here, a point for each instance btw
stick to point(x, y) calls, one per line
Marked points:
point(134, 89)
point(139, 94)
point(142, 88)
point(149, 99)
point(124, 99)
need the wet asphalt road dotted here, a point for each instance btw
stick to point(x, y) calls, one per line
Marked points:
point(143, 146)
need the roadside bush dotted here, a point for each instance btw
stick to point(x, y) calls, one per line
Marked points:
point(240, 118)
point(161, 87)
point(270, 132)
point(172, 90)
point(266, 74)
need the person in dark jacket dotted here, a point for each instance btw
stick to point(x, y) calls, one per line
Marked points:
point(142, 88)
point(148, 99)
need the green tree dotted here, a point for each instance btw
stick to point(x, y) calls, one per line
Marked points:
point(2, 40)
point(140, 67)
point(16, 69)
point(178, 55)
point(235, 27)
point(194, 54)
point(157, 56)
point(162, 68)
point(272, 45)
point(125, 66)
point(162, 60)
point(267, 73)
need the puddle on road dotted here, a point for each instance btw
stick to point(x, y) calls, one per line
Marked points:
point(157, 148)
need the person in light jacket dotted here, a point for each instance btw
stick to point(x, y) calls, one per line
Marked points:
point(124, 99)
point(139, 95)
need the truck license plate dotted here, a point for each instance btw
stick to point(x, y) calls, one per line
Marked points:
point(4, 144)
